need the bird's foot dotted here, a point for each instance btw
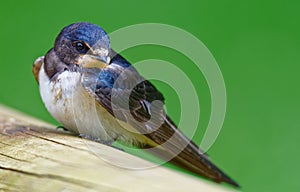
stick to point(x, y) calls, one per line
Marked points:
point(62, 127)
point(104, 142)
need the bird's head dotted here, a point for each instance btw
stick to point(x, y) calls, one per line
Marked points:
point(83, 44)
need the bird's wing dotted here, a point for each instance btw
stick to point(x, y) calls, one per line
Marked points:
point(130, 98)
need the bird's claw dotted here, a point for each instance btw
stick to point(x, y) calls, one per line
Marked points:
point(104, 142)
point(62, 127)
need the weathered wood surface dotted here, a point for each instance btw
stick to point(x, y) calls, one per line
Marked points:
point(34, 156)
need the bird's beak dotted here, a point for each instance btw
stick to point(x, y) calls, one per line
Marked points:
point(102, 55)
point(98, 58)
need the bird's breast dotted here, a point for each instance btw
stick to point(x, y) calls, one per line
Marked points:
point(78, 111)
point(70, 104)
point(58, 96)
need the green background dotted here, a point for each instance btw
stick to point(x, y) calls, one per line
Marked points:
point(256, 44)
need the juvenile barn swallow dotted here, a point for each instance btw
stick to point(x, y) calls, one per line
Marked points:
point(79, 84)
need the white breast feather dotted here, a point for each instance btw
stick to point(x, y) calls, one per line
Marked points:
point(71, 105)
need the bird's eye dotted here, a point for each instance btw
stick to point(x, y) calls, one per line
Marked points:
point(80, 46)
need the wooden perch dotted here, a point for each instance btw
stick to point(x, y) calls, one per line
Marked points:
point(35, 156)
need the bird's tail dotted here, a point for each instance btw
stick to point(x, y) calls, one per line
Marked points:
point(184, 153)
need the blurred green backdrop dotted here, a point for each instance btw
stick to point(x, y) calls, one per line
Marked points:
point(256, 44)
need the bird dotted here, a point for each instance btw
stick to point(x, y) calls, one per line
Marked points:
point(92, 90)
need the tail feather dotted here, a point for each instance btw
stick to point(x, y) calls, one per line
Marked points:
point(184, 153)
point(199, 164)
